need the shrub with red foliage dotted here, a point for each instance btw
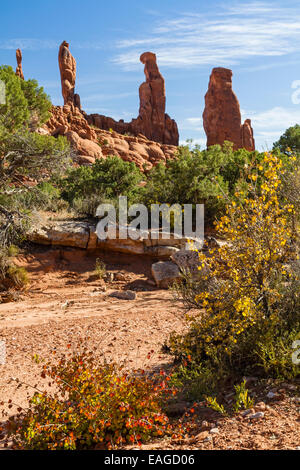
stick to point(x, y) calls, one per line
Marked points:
point(94, 406)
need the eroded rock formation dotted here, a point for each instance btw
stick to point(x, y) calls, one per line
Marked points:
point(83, 234)
point(67, 67)
point(248, 141)
point(152, 121)
point(92, 143)
point(19, 71)
point(222, 117)
point(145, 141)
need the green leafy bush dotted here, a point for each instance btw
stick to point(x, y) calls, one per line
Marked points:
point(11, 276)
point(29, 161)
point(26, 103)
point(38, 103)
point(242, 399)
point(88, 186)
point(196, 380)
point(195, 177)
point(289, 142)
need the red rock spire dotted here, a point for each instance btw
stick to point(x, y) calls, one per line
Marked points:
point(222, 116)
point(19, 71)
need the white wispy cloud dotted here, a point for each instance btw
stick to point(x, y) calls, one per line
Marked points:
point(194, 120)
point(200, 141)
point(35, 44)
point(235, 34)
point(270, 124)
point(277, 118)
point(28, 44)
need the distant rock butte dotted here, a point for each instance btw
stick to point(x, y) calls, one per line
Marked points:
point(152, 120)
point(222, 117)
point(19, 71)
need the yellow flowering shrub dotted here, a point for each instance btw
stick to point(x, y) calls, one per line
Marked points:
point(238, 298)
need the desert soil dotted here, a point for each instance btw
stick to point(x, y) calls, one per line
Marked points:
point(65, 302)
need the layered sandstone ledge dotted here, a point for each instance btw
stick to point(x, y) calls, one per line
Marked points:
point(170, 253)
point(82, 234)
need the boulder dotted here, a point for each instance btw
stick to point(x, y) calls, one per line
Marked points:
point(62, 233)
point(84, 160)
point(84, 147)
point(124, 294)
point(188, 262)
point(162, 251)
point(165, 273)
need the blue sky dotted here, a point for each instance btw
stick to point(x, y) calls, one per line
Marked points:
point(258, 40)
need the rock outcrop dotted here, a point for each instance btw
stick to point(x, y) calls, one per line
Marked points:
point(248, 141)
point(145, 141)
point(152, 121)
point(92, 143)
point(72, 233)
point(67, 67)
point(19, 71)
point(222, 117)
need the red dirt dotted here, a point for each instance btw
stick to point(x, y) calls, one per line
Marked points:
point(66, 302)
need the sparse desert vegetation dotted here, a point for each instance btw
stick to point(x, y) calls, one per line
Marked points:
point(137, 343)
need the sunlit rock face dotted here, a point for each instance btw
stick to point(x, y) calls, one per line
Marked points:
point(152, 121)
point(222, 116)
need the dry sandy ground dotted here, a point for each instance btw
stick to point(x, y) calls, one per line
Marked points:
point(65, 302)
